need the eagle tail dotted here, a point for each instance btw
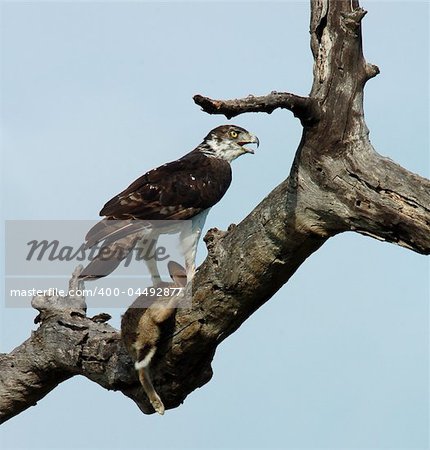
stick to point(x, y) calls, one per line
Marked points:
point(109, 257)
point(113, 230)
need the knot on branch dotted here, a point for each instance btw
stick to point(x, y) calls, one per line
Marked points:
point(101, 318)
point(371, 71)
point(352, 20)
point(213, 238)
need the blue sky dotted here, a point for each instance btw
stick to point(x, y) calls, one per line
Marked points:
point(95, 93)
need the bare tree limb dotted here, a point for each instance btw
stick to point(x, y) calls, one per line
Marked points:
point(388, 203)
point(67, 343)
point(302, 107)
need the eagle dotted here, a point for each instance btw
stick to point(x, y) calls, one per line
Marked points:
point(184, 189)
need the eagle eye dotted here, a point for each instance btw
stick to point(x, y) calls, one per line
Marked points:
point(233, 134)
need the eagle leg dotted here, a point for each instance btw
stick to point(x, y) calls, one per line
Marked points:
point(189, 240)
point(151, 264)
point(150, 242)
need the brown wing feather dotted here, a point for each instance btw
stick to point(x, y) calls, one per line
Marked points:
point(177, 190)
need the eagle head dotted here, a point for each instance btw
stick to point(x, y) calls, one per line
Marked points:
point(227, 142)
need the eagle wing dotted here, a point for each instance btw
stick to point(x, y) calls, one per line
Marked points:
point(178, 190)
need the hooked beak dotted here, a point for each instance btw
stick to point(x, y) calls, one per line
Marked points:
point(250, 139)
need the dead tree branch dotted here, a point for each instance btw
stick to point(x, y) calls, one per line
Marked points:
point(302, 107)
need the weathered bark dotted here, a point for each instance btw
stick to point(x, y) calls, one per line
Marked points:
point(305, 108)
point(337, 183)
